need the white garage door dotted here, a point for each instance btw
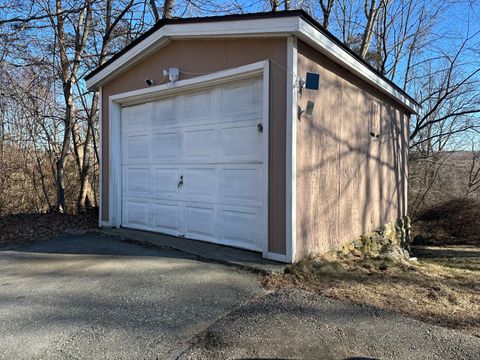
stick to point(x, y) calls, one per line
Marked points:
point(192, 165)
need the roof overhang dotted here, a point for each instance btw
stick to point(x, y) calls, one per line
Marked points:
point(289, 24)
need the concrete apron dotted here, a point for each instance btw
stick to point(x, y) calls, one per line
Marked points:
point(244, 259)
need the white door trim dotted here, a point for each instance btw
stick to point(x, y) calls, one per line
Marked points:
point(162, 91)
point(291, 153)
point(100, 158)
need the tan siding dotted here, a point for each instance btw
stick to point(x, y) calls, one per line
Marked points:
point(347, 183)
point(205, 56)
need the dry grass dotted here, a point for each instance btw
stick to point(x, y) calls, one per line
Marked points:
point(443, 290)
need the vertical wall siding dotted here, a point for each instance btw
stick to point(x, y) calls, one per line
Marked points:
point(347, 182)
point(205, 56)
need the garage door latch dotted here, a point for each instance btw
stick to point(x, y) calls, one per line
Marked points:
point(180, 182)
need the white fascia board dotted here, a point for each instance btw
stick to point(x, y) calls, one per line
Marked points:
point(327, 47)
point(135, 54)
point(239, 28)
point(257, 27)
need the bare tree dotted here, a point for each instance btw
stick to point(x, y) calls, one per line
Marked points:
point(168, 9)
point(372, 9)
point(274, 5)
point(326, 6)
point(153, 6)
point(449, 96)
point(70, 57)
point(474, 171)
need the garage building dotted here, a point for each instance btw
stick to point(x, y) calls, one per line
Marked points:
point(259, 131)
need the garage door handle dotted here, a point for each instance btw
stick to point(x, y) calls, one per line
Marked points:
point(180, 182)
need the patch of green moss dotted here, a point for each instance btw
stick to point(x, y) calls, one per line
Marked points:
point(386, 242)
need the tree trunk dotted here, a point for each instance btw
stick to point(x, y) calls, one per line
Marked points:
point(60, 165)
point(83, 154)
point(326, 6)
point(371, 14)
point(153, 6)
point(168, 9)
point(60, 182)
point(274, 5)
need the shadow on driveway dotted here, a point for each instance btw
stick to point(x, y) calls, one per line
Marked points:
point(91, 296)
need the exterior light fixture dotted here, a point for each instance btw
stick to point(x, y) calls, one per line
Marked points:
point(308, 110)
point(172, 73)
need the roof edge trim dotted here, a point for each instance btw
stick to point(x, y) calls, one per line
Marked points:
point(329, 48)
point(285, 23)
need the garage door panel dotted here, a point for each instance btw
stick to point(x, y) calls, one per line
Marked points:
point(243, 226)
point(166, 182)
point(241, 185)
point(200, 221)
point(165, 113)
point(136, 148)
point(197, 105)
point(241, 143)
point(167, 147)
point(137, 117)
point(199, 145)
point(199, 184)
point(167, 217)
point(136, 180)
point(240, 98)
point(135, 213)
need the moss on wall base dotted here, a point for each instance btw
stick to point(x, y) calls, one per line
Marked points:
point(390, 242)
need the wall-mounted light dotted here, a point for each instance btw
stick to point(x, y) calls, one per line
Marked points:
point(149, 82)
point(300, 84)
point(308, 109)
point(172, 73)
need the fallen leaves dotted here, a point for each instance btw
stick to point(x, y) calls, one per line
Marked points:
point(21, 229)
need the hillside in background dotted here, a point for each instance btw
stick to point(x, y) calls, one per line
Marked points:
point(444, 196)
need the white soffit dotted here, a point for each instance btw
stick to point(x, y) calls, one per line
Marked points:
point(264, 27)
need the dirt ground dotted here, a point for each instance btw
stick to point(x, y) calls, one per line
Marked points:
point(442, 287)
point(20, 229)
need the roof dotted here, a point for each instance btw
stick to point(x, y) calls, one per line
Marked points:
point(282, 23)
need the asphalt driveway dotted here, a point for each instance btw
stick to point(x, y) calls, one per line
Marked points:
point(98, 297)
point(295, 324)
point(91, 296)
